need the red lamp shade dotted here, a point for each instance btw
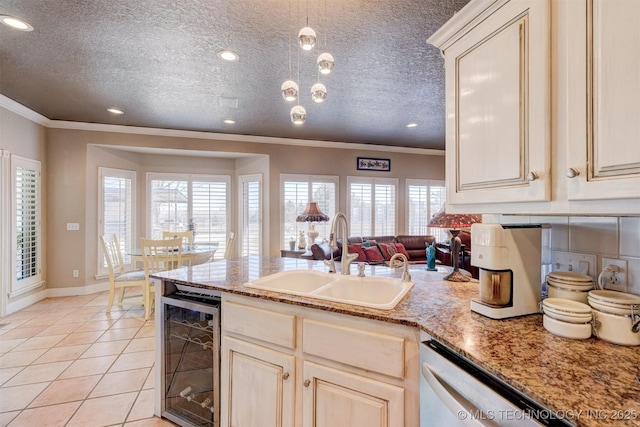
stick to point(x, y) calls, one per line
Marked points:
point(312, 213)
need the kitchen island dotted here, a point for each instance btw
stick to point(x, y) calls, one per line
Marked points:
point(589, 382)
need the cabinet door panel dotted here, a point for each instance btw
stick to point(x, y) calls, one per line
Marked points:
point(603, 145)
point(258, 385)
point(336, 398)
point(498, 101)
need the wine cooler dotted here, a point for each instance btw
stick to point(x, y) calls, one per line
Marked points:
point(191, 358)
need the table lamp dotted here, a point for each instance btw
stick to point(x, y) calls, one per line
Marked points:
point(312, 214)
point(454, 222)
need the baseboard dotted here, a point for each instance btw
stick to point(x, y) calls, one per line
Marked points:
point(77, 290)
point(26, 301)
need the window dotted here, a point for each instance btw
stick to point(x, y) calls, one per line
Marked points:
point(297, 192)
point(189, 202)
point(424, 199)
point(117, 194)
point(251, 215)
point(27, 231)
point(372, 206)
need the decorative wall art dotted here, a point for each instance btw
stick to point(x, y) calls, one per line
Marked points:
point(372, 164)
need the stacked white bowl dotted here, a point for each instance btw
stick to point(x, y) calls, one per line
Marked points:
point(569, 285)
point(567, 318)
point(616, 316)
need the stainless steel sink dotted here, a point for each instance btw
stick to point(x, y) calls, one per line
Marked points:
point(376, 292)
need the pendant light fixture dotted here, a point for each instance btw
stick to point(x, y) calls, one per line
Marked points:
point(318, 92)
point(298, 115)
point(289, 88)
point(325, 60)
point(307, 38)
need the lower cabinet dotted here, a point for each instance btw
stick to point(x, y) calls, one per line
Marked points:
point(331, 398)
point(258, 385)
point(369, 379)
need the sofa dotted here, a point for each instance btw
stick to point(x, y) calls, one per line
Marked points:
point(377, 249)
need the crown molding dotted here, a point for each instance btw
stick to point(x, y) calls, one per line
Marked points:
point(23, 111)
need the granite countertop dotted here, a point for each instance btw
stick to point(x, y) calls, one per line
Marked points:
point(589, 382)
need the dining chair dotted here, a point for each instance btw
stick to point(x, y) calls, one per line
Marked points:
point(118, 277)
point(186, 236)
point(158, 255)
point(229, 249)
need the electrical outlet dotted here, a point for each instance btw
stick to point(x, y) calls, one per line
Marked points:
point(76, 273)
point(616, 281)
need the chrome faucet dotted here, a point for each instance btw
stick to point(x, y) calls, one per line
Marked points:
point(347, 258)
point(406, 277)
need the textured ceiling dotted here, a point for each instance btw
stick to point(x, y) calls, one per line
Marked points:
point(156, 60)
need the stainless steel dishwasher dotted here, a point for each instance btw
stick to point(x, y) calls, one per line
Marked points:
point(456, 392)
point(190, 368)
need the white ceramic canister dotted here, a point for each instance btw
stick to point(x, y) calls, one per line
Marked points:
point(575, 292)
point(616, 328)
point(566, 310)
point(576, 331)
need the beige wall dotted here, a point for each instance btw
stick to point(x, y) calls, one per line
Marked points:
point(73, 158)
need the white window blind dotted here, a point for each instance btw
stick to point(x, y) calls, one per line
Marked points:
point(297, 192)
point(251, 215)
point(372, 206)
point(424, 199)
point(27, 232)
point(198, 203)
point(117, 212)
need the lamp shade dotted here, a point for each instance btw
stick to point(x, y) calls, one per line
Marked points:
point(312, 213)
point(453, 221)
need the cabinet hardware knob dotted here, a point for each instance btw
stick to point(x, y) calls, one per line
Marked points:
point(285, 376)
point(532, 176)
point(572, 172)
point(306, 383)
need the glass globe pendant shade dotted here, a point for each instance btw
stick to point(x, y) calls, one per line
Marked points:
point(289, 90)
point(318, 92)
point(325, 63)
point(307, 38)
point(298, 115)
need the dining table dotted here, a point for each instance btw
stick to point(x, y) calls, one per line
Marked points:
point(191, 254)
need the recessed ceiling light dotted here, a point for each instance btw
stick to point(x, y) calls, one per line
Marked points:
point(115, 111)
point(228, 55)
point(412, 125)
point(229, 121)
point(15, 23)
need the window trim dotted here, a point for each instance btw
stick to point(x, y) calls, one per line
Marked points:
point(373, 181)
point(33, 282)
point(309, 179)
point(242, 180)
point(420, 182)
point(172, 176)
point(117, 173)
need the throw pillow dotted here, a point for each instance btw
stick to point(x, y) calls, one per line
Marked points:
point(373, 255)
point(366, 244)
point(357, 248)
point(401, 249)
point(387, 250)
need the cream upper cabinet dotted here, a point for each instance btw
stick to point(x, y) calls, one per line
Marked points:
point(497, 67)
point(603, 148)
point(543, 107)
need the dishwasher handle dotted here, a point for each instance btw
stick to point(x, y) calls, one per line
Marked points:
point(453, 404)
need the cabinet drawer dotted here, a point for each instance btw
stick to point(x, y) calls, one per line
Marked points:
point(356, 347)
point(265, 325)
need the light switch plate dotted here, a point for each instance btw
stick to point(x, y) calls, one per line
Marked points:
point(73, 226)
point(576, 262)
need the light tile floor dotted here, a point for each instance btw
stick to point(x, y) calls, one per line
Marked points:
point(66, 362)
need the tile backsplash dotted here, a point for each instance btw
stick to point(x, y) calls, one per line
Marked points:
point(608, 237)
